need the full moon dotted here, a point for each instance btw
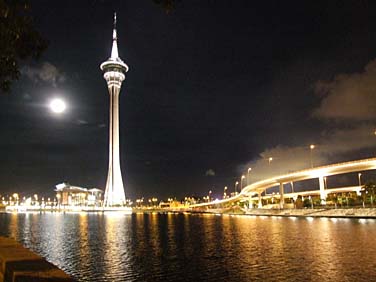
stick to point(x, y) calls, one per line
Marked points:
point(57, 106)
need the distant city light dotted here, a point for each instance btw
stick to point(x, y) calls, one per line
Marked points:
point(57, 106)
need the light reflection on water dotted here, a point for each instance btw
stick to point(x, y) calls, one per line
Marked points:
point(185, 247)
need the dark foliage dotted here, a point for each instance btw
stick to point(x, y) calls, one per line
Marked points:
point(20, 40)
point(167, 5)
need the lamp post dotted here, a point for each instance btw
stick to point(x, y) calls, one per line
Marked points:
point(241, 182)
point(360, 183)
point(224, 192)
point(236, 184)
point(248, 172)
point(58, 197)
point(16, 197)
point(209, 195)
point(155, 200)
point(270, 160)
point(311, 147)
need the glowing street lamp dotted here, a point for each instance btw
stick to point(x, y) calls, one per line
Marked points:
point(249, 170)
point(360, 183)
point(241, 182)
point(16, 197)
point(236, 184)
point(270, 160)
point(224, 192)
point(154, 200)
point(311, 147)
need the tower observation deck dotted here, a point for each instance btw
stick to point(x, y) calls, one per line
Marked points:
point(114, 70)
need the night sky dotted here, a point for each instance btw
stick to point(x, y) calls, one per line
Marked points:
point(214, 87)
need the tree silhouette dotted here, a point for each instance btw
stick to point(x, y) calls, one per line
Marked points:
point(370, 189)
point(167, 5)
point(20, 40)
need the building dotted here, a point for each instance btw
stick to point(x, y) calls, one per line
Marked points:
point(68, 195)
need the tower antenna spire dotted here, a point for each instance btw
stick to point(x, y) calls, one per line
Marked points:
point(114, 50)
point(114, 20)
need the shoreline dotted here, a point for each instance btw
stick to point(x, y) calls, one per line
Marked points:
point(365, 213)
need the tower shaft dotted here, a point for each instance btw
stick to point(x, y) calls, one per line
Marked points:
point(114, 70)
point(114, 193)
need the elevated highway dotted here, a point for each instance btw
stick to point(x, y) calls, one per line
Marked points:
point(317, 172)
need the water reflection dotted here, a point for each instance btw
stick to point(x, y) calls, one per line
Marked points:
point(184, 247)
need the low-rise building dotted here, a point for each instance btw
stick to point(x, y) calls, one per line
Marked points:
point(69, 195)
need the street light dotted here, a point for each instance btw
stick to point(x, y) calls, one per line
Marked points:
point(154, 200)
point(236, 184)
point(270, 160)
point(224, 192)
point(241, 182)
point(360, 183)
point(311, 147)
point(209, 195)
point(249, 170)
point(16, 197)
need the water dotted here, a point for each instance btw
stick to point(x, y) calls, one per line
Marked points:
point(184, 247)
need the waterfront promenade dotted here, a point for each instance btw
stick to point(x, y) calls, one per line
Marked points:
point(306, 212)
point(350, 212)
point(20, 264)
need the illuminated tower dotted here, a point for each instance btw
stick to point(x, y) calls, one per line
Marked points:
point(114, 70)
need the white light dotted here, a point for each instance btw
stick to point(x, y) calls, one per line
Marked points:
point(57, 106)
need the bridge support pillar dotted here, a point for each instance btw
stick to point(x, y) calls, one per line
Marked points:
point(281, 195)
point(259, 200)
point(322, 190)
point(250, 204)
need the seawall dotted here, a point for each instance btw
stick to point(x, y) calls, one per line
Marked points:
point(18, 264)
point(317, 212)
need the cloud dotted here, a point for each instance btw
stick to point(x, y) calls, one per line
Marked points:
point(210, 172)
point(329, 146)
point(349, 96)
point(348, 105)
point(82, 122)
point(27, 96)
point(46, 72)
